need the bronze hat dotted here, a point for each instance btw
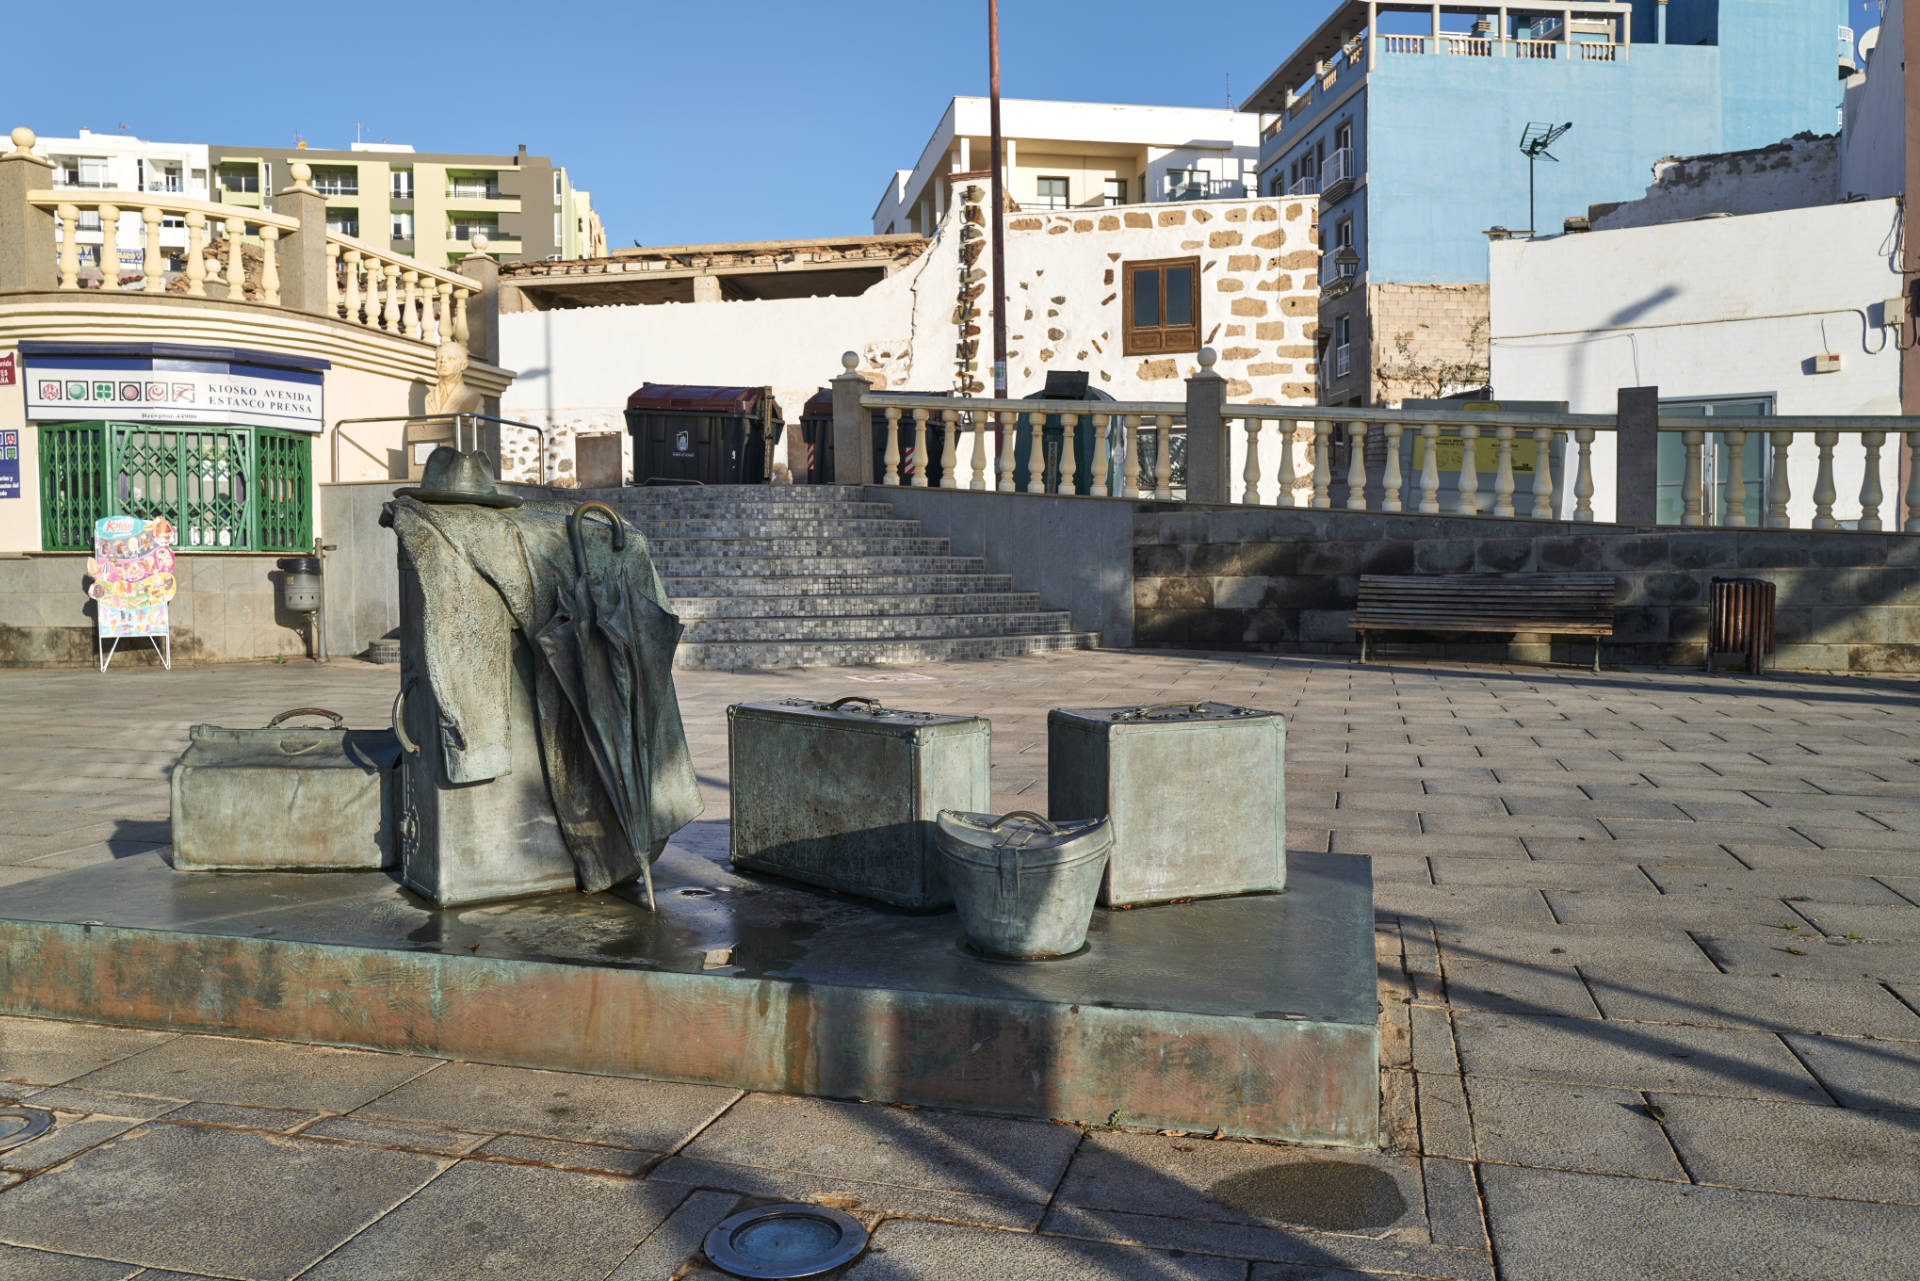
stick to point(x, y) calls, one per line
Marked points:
point(453, 477)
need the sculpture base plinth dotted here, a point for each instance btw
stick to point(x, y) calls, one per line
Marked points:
point(1255, 1015)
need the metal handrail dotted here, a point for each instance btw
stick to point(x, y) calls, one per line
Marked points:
point(457, 420)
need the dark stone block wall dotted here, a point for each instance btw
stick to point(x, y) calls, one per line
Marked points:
point(1282, 579)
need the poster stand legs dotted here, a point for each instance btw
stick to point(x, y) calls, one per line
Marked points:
point(162, 645)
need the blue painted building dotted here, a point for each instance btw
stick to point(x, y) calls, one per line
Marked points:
point(1406, 121)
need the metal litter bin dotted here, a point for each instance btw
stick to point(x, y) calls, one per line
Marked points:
point(1064, 384)
point(1740, 619)
point(707, 435)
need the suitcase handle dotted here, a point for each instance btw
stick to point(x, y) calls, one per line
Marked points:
point(839, 703)
point(407, 745)
point(998, 823)
point(1137, 712)
point(339, 721)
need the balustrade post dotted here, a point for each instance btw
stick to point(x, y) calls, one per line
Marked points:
point(1824, 491)
point(1542, 474)
point(1692, 501)
point(109, 246)
point(1207, 450)
point(1583, 476)
point(1912, 524)
point(1870, 493)
point(1250, 474)
point(28, 259)
point(69, 247)
point(949, 442)
point(460, 332)
point(1356, 467)
point(410, 305)
point(979, 481)
point(1390, 481)
point(1734, 490)
point(393, 298)
point(484, 270)
point(890, 463)
point(852, 441)
point(920, 417)
point(1779, 491)
point(353, 286)
point(1069, 454)
point(1430, 468)
point(1098, 484)
point(307, 258)
point(1285, 477)
point(1503, 470)
point(443, 313)
point(375, 281)
point(1469, 503)
point(1323, 465)
point(270, 266)
point(1008, 426)
point(236, 229)
point(150, 265)
point(196, 254)
point(1036, 453)
point(1163, 457)
point(1130, 459)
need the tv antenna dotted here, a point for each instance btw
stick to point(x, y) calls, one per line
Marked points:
point(1534, 141)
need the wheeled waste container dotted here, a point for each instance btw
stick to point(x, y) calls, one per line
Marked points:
point(816, 432)
point(703, 435)
point(1062, 384)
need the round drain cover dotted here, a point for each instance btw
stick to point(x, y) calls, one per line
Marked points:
point(22, 1125)
point(778, 1241)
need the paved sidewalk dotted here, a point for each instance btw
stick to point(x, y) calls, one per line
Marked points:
point(1650, 965)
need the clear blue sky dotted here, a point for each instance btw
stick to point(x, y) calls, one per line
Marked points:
point(688, 122)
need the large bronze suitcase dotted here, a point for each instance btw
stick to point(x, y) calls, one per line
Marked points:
point(845, 794)
point(285, 797)
point(1197, 792)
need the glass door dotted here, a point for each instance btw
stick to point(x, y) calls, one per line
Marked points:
point(1715, 462)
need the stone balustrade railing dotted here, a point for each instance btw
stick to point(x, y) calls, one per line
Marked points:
point(380, 289)
point(1368, 459)
point(282, 256)
point(204, 221)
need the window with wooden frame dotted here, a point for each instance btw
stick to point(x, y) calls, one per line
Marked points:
point(1162, 302)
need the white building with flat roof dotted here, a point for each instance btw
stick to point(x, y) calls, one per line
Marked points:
point(1077, 155)
point(119, 162)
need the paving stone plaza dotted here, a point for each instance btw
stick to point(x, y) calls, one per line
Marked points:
point(1649, 967)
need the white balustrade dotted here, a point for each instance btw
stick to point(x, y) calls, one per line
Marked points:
point(1823, 490)
point(1736, 486)
point(949, 437)
point(920, 417)
point(152, 265)
point(1250, 474)
point(1469, 502)
point(1390, 480)
point(1870, 494)
point(1542, 474)
point(1101, 425)
point(1583, 476)
point(979, 480)
point(1778, 491)
point(1356, 467)
point(1285, 479)
point(1323, 465)
point(1690, 495)
point(236, 229)
point(109, 246)
point(1008, 426)
point(890, 462)
point(1069, 447)
point(1163, 457)
point(1430, 468)
point(1912, 523)
point(1129, 461)
point(1503, 470)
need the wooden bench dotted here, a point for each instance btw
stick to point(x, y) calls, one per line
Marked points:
point(1558, 604)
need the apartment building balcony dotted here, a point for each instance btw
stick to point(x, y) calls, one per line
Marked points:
point(480, 196)
point(1847, 64)
point(1338, 177)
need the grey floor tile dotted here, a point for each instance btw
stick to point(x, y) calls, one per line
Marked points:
point(1864, 1074)
point(1864, 920)
point(240, 1116)
point(904, 1251)
point(135, 1107)
point(1541, 874)
point(1461, 903)
point(49, 1052)
point(1667, 948)
point(654, 1115)
point(1244, 1183)
point(1792, 1147)
point(1697, 849)
point(1518, 988)
point(1812, 958)
point(1568, 1127)
point(1676, 911)
point(1791, 886)
point(394, 1134)
point(676, 1240)
point(17, 1264)
point(261, 1073)
point(593, 1157)
point(1634, 1056)
point(1846, 1007)
point(905, 1147)
point(485, 1218)
point(1555, 1226)
point(69, 1137)
point(224, 1201)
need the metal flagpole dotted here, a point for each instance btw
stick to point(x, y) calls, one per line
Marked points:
point(997, 195)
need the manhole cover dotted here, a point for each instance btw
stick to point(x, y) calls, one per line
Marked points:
point(22, 1125)
point(778, 1241)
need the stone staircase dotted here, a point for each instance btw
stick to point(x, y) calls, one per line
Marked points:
point(815, 576)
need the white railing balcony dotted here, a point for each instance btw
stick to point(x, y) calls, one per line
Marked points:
point(336, 187)
point(1403, 44)
point(1305, 185)
point(472, 191)
point(1846, 46)
point(150, 212)
point(461, 233)
point(1594, 50)
point(371, 286)
point(1339, 168)
point(1543, 50)
point(1469, 46)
